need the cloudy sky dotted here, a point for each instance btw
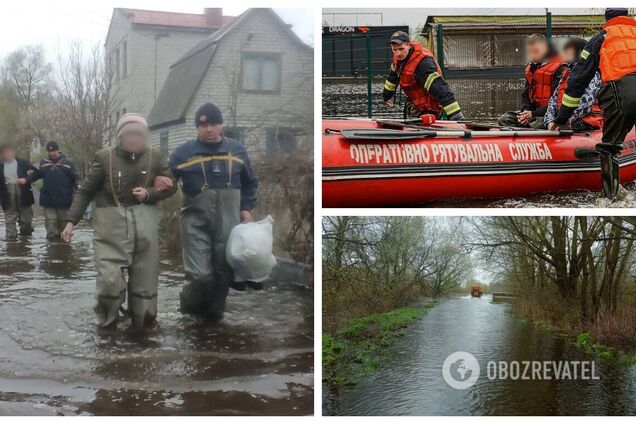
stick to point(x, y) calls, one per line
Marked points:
point(54, 23)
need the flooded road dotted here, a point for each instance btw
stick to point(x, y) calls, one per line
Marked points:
point(53, 359)
point(412, 383)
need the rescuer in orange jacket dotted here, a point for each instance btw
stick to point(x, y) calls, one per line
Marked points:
point(416, 71)
point(542, 79)
point(612, 52)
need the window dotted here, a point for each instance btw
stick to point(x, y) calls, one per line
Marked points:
point(163, 141)
point(124, 60)
point(280, 140)
point(237, 133)
point(261, 72)
point(117, 65)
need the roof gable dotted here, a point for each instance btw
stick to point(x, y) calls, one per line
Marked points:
point(186, 74)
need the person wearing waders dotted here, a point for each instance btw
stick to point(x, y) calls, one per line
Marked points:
point(16, 194)
point(60, 179)
point(126, 239)
point(612, 52)
point(220, 191)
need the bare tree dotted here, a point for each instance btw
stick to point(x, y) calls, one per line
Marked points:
point(83, 96)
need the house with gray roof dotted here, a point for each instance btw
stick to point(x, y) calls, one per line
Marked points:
point(258, 71)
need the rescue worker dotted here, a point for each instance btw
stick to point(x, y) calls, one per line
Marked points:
point(16, 194)
point(542, 74)
point(612, 52)
point(416, 71)
point(60, 178)
point(126, 239)
point(588, 115)
point(219, 189)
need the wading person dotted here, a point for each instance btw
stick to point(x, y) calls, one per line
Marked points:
point(416, 71)
point(126, 239)
point(588, 115)
point(543, 74)
point(220, 191)
point(612, 52)
point(59, 177)
point(16, 194)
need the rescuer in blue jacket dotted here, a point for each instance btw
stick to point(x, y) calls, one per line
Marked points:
point(220, 191)
point(59, 180)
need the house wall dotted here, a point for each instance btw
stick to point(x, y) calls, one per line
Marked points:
point(137, 90)
point(292, 107)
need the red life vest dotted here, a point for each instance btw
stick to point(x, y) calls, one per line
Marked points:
point(542, 81)
point(618, 52)
point(421, 98)
point(595, 117)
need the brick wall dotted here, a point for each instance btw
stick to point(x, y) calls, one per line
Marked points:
point(137, 91)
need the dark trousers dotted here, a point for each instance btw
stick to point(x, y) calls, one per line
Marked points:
point(618, 101)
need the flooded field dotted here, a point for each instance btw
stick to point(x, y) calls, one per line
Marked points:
point(53, 359)
point(412, 384)
point(481, 100)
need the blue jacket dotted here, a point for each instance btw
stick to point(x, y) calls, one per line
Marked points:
point(59, 178)
point(197, 163)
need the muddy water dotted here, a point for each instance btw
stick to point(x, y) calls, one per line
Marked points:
point(412, 383)
point(53, 359)
point(481, 100)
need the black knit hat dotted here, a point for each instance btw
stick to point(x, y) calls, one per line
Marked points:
point(208, 113)
point(612, 12)
point(52, 146)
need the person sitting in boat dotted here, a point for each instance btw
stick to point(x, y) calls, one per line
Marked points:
point(612, 52)
point(588, 115)
point(542, 78)
point(418, 74)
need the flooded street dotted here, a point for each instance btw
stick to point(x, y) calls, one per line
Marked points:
point(481, 100)
point(53, 359)
point(411, 383)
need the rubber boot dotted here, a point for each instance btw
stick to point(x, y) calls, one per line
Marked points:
point(610, 169)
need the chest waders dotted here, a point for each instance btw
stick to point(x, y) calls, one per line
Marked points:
point(206, 222)
point(618, 101)
point(126, 256)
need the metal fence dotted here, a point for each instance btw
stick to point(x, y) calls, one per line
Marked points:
point(484, 66)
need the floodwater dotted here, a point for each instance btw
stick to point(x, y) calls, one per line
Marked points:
point(482, 101)
point(53, 359)
point(412, 383)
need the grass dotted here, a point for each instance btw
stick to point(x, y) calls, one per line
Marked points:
point(587, 343)
point(365, 344)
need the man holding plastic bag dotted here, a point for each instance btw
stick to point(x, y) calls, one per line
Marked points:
point(219, 189)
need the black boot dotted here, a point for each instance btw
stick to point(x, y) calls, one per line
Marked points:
point(610, 169)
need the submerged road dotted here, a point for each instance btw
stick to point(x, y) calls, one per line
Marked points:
point(411, 383)
point(53, 359)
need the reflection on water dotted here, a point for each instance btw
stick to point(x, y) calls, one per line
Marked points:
point(412, 384)
point(481, 100)
point(258, 360)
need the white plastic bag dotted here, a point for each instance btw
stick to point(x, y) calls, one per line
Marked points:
point(249, 250)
